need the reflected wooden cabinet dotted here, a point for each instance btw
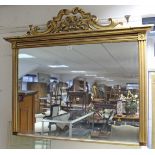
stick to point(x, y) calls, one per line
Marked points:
point(26, 111)
point(41, 88)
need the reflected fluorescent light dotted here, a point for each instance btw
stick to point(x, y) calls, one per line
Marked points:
point(100, 77)
point(109, 80)
point(152, 32)
point(57, 66)
point(90, 75)
point(23, 55)
point(78, 71)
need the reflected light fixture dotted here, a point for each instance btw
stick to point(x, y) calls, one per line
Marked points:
point(127, 17)
point(90, 75)
point(78, 71)
point(109, 80)
point(57, 66)
point(25, 56)
point(101, 77)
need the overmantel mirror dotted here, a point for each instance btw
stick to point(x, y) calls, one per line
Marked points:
point(77, 79)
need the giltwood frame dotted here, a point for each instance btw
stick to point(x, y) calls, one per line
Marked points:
point(94, 33)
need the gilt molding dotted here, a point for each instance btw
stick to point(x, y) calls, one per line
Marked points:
point(14, 45)
point(72, 20)
point(141, 36)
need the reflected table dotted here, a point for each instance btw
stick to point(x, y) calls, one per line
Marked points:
point(127, 119)
point(69, 122)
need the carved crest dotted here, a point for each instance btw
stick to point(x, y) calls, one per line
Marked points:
point(71, 20)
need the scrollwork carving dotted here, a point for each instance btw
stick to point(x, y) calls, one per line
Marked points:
point(71, 20)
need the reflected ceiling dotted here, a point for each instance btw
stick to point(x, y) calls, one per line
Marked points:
point(113, 61)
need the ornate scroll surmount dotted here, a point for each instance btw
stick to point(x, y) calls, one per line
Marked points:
point(71, 20)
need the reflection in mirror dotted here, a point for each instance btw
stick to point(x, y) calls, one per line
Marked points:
point(80, 91)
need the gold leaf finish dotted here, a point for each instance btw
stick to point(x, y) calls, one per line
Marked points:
point(72, 20)
point(141, 36)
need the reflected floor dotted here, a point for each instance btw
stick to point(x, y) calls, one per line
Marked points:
point(122, 133)
point(85, 129)
point(29, 142)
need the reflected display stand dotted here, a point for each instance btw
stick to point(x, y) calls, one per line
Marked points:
point(44, 105)
point(69, 122)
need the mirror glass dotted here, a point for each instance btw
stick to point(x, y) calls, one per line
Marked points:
point(80, 91)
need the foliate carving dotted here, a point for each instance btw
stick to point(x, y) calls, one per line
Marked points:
point(71, 20)
point(141, 36)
